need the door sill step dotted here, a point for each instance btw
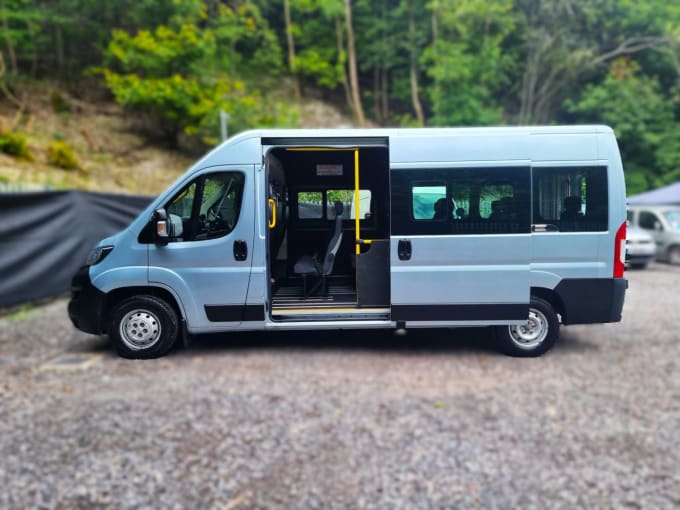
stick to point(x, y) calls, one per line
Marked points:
point(329, 314)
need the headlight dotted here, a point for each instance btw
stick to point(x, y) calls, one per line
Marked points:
point(97, 255)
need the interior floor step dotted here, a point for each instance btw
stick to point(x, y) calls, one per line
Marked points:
point(292, 296)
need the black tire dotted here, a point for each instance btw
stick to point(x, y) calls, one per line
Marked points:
point(143, 327)
point(674, 255)
point(534, 338)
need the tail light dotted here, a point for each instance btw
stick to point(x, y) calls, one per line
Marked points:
point(620, 251)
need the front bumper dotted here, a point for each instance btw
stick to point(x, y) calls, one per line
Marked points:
point(86, 307)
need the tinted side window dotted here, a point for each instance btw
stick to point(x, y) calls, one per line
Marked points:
point(461, 201)
point(647, 220)
point(571, 199)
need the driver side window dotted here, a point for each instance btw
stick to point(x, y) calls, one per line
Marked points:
point(208, 207)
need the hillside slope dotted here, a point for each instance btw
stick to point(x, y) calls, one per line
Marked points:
point(111, 152)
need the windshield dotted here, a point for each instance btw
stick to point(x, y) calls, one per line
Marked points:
point(673, 217)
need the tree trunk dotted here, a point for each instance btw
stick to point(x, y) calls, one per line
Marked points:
point(436, 85)
point(292, 65)
point(341, 60)
point(60, 51)
point(8, 40)
point(377, 112)
point(413, 72)
point(385, 80)
point(352, 63)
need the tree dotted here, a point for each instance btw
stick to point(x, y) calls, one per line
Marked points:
point(467, 62)
point(565, 40)
point(644, 122)
point(355, 90)
point(181, 76)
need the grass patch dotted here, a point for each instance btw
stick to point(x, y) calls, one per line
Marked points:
point(18, 314)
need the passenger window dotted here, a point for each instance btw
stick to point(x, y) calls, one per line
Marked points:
point(461, 201)
point(220, 197)
point(571, 199)
point(310, 205)
point(648, 220)
point(428, 202)
point(496, 202)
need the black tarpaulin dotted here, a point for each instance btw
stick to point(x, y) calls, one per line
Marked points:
point(46, 236)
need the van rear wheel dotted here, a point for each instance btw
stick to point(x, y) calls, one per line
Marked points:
point(534, 337)
point(143, 327)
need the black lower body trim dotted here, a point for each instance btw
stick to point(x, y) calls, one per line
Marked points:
point(592, 300)
point(234, 313)
point(494, 312)
point(86, 307)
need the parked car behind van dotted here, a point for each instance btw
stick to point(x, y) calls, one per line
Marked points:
point(640, 247)
point(663, 224)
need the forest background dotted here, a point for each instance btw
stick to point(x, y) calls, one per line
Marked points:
point(171, 66)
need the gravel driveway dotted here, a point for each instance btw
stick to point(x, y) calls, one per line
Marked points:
point(437, 419)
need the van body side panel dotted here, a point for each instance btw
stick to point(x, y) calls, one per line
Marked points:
point(257, 288)
point(470, 269)
point(578, 266)
point(209, 281)
point(467, 279)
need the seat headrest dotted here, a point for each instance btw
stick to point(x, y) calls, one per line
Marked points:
point(338, 208)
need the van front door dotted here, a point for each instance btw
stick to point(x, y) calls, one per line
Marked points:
point(460, 245)
point(207, 262)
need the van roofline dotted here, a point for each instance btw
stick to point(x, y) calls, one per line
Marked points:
point(424, 131)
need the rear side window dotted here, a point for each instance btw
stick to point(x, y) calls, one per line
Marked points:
point(460, 201)
point(571, 199)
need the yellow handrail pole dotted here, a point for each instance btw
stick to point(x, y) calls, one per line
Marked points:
point(357, 205)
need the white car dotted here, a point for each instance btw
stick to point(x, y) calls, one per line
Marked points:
point(640, 248)
point(662, 222)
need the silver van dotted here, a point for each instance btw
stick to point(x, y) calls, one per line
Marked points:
point(519, 228)
point(663, 224)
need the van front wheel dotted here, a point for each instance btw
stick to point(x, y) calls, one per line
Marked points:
point(143, 327)
point(534, 337)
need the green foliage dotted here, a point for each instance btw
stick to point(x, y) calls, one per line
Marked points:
point(59, 104)
point(644, 122)
point(438, 62)
point(179, 75)
point(61, 154)
point(469, 71)
point(15, 144)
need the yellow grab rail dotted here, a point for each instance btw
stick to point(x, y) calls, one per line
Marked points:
point(272, 206)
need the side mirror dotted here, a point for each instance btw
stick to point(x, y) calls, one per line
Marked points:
point(161, 230)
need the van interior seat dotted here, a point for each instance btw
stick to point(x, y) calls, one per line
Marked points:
point(308, 266)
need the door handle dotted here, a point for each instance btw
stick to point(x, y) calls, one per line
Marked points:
point(240, 250)
point(404, 249)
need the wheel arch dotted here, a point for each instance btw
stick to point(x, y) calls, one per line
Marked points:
point(669, 250)
point(551, 297)
point(116, 296)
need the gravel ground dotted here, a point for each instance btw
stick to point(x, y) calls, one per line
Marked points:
point(347, 419)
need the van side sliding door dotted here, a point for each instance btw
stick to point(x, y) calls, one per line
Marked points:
point(460, 245)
